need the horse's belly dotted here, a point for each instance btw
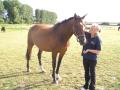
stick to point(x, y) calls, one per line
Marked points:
point(48, 43)
point(49, 47)
point(44, 46)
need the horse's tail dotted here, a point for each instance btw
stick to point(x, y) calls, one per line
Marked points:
point(29, 46)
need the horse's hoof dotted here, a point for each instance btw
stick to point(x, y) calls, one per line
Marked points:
point(55, 82)
point(43, 71)
point(28, 70)
point(58, 77)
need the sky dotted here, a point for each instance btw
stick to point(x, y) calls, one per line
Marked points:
point(96, 10)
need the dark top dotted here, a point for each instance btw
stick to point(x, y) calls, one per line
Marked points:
point(92, 43)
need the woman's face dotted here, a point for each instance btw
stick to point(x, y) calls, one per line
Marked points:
point(93, 30)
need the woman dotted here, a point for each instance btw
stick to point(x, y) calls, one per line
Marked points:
point(90, 51)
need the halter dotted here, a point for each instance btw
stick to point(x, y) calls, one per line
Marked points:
point(77, 34)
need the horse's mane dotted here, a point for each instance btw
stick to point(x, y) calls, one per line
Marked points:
point(60, 23)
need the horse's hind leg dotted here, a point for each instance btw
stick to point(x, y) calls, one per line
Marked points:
point(28, 55)
point(40, 63)
point(54, 55)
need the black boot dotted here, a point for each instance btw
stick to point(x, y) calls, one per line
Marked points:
point(86, 86)
point(91, 87)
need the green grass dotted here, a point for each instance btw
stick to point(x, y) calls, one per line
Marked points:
point(13, 63)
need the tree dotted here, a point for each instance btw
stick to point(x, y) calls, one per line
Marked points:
point(17, 12)
point(12, 7)
point(26, 13)
point(48, 17)
point(44, 16)
point(37, 15)
point(1, 12)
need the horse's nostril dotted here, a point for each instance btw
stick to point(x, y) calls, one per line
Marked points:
point(82, 40)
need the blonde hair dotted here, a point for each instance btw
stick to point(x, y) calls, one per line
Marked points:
point(96, 26)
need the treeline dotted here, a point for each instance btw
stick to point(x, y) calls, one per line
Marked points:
point(14, 12)
point(44, 16)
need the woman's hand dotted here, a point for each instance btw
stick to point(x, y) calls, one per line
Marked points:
point(86, 51)
point(91, 51)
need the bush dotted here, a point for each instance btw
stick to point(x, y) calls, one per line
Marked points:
point(105, 23)
point(1, 20)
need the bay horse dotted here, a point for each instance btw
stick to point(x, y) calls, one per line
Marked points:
point(118, 28)
point(54, 39)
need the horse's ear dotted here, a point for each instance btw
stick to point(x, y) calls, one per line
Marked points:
point(75, 16)
point(84, 16)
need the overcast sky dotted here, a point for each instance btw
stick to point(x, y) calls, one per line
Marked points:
point(98, 10)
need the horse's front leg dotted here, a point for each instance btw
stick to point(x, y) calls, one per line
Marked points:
point(54, 55)
point(58, 78)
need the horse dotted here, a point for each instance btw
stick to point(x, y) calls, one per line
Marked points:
point(54, 39)
point(3, 29)
point(118, 28)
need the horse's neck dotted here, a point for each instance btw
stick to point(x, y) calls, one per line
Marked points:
point(65, 33)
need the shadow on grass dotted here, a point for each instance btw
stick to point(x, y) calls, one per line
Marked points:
point(16, 74)
point(34, 85)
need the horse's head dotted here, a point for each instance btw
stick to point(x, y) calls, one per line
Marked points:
point(78, 29)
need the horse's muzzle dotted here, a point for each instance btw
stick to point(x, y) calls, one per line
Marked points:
point(82, 40)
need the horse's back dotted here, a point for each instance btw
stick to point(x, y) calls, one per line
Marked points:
point(40, 30)
point(41, 27)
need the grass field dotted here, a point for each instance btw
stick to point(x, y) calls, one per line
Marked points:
point(13, 75)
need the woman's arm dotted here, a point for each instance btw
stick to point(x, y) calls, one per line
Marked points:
point(91, 51)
